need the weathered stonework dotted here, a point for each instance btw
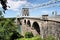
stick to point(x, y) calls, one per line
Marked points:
point(46, 27)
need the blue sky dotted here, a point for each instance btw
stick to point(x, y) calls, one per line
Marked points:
point(38, 7)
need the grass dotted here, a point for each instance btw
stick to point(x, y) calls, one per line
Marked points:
point(33, 38)
point(38, 38)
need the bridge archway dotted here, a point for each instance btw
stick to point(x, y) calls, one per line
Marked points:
point(36, 27)
point(29, 23)
point(25, 21)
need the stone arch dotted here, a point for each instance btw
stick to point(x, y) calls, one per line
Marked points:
point(25, 21)
point(35, 25)
point(19, 21)
point(29, 23)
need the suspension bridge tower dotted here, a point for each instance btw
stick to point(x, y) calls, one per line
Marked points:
point(25, 11)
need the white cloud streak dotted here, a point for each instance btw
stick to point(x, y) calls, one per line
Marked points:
point(14, 5)
point(45, 4)
point(56, 5)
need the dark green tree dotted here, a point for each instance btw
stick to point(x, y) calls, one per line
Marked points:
point(29, 35)
point(4, 5)
point(7, 26)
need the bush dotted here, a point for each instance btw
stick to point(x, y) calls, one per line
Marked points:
point(15, 35)
point(37, 38)
point(28, 35)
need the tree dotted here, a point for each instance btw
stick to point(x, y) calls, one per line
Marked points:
point(7, 26)
point(4, 4)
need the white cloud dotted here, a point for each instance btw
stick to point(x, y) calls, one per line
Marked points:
point(14, 5)
point(45, 4)
point(55, 5)
point(45, 12)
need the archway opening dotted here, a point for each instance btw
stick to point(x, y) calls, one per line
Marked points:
point(19, 21)
point(28, 23)
point(36, 27)
point(25, 21)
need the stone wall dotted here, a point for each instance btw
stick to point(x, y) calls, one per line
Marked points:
point(51, 28)
point(47, 27)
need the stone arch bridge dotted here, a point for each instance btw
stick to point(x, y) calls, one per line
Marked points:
point(43, 26)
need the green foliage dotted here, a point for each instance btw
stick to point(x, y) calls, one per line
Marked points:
point(39, 38)
point(15, 35)
point(7, 27)
point(33, 38)
point(28, 35)
point(50, 38)
point(3, 3)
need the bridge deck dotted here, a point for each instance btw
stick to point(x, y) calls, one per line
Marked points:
point(40, 18)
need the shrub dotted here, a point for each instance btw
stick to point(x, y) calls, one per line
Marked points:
point(15, 35)
point(28, 35)
point(37, 38)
